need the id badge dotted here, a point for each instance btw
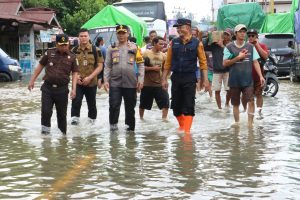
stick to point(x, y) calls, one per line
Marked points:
point(115, 57)
point(131, 59)
point(85, 62)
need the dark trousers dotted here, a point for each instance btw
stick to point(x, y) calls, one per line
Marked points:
point(58, 97)
point(183, 93)
point(115, 100)
point(90, 96)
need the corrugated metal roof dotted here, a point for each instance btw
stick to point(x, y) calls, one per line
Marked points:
point(22, 19)
point(41, 15)
point(13, 10)
point(10, 7)
point(10, 1)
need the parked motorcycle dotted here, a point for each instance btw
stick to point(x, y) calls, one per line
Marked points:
point(270, 72)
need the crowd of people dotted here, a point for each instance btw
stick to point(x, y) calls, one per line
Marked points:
point(123, 69)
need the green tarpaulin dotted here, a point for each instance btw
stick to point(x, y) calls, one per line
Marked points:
point(280, 22)
point(249, 14)
point(110, 16)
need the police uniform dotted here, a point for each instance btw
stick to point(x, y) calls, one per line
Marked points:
point(87, 65)
point(122, 77)
point(58, 67)
point(182, 61)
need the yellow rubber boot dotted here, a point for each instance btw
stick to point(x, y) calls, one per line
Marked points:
point(180, 120)
point(188, 120)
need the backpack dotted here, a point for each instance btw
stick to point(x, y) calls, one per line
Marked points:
point(94, 49)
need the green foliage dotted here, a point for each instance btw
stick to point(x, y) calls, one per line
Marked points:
point(87, 9)
point(71, 14)
point(35, 3)
point(110, 2)
point(178, 15)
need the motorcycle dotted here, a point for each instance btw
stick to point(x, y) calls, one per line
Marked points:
point(270, 72)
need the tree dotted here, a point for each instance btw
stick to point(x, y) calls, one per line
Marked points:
point(178, 15)
point(36, 3)
point(190, 16)
point(110, 2)
point(73, 21)
point(71, 14)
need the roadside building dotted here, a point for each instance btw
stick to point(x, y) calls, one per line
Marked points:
point(21, 28)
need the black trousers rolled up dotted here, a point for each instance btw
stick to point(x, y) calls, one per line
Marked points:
point(183, 93)
point(115, 99)
point(57, 96)
point(90, 96)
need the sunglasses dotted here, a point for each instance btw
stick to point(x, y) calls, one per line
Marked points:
point(251, 36)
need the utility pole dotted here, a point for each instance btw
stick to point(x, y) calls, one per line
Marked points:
point(271, 6)
point(179, 11)
point(212, 11)
point(265, 6)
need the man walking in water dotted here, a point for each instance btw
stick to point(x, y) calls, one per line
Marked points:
point(154, 62)
point(263, 52)
point(182, 61)
point(120, 78)
point(58, 63)
point(90, 62)
point(220, 73)
point(239, 56)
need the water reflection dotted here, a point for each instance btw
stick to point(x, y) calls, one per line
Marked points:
point(155, 165)
point(124, 166)
point(214, 162)
point(186, 164)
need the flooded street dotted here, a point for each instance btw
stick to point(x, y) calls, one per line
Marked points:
point(215, 162)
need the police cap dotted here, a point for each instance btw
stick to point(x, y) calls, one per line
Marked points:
point(183, 21)
point(121, 28)
point(62, 39)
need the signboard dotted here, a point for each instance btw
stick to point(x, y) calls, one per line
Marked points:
point(45, 36)
point(172, 30)
point(26, 48)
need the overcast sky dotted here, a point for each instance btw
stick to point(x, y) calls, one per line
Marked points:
point(200, 8)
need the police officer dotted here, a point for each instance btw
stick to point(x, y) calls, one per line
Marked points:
point(121, 79)
point(90, 65)
point(58, 62)
point(182, 61)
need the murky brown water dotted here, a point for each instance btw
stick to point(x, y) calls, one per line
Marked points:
point(216, 162)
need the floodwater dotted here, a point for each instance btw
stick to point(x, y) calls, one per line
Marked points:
point(214, 162)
